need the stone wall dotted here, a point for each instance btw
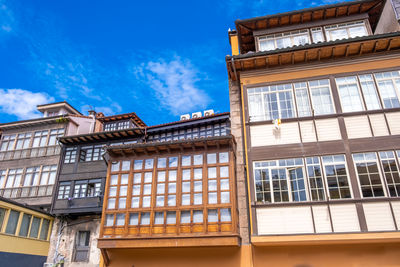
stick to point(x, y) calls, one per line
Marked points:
point(67, 240)
point(236, 130)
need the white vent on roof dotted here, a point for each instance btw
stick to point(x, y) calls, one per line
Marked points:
point(208, 112)
point(185, 117)
point(196, 115)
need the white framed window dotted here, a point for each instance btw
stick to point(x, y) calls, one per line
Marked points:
point(14, 178)
point(23, 140)
point(8, 142)
point(315, 179)
point(280, 181)
point(317, 35)
point(32, 175)
point(90, 153)
point(63, 190)
point(391, 172)
point(345, 30)
point(54, 134)
point(321, 97)
point(40, 138)
point(302, 99)
point(369, 177)
point(283, 40)
point(70, 155)
point(369, 91)
point(48, 175)
point(336, 175)
point(389, 88)
point(349, 93)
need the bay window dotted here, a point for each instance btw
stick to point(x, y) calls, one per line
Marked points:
point(369, 177)
point(346, 30)
point(283, 40)
point(389, 88)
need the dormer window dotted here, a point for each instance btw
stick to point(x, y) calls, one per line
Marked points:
point(282, 40)
point(345, 30)
point(312, 35)
point(120, 125)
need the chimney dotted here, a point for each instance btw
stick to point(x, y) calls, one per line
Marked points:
point(234, 42)
point(92, 113)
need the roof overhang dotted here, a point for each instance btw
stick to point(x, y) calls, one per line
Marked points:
point(34, 122)
point(169, 146)
point(63, 104)
point(101, 136)
point(346, 48)
point(132, 116)
point(246, 27)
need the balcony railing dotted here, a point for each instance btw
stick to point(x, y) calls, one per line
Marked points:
point(30, 152)
point(27, 192)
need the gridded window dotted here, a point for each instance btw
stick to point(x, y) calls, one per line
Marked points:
point(32, 175)
point(13, 217)
point(369, 91)
point(63, 190)
point(282, 40)
point(317, 35)
point(118, 189)
point(54, 134)
point(90, 153)
point(368, 174)
point(23, 140)
point(321, 97)
point(81, 250)
point(14, 178)
point(8, 142)
point(110, 126)
point(345, 30)
point(389, 88)
point(40, 138)
point(48, 175)
point(302, 99)
point(44, 231)
point(70, 155)
point(280, 180)
point(315, 179)
point(271, 102)
point(349, 92)
point(336, 176)
point(80, 189)
point(171, 195)
point(25, 223)
point(391, 172)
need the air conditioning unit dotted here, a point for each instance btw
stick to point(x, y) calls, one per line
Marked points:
point(185, 117)
point(208, 112)
point(196, 115)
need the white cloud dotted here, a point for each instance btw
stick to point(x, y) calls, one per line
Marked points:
point(173, 82)
point(22, 103)
point(112, 109)
point(7, 20)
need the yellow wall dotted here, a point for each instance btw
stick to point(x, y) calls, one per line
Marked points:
point(15, 244)
point(328, 256)
point(234, 44)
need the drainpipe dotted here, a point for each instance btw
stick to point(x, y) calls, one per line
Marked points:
point(57, 256)
point(92, 114)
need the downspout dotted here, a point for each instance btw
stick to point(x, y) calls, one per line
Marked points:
point(58, 257)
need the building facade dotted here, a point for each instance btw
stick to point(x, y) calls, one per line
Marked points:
point(24, 234)
point(317, 95)
point(171, 200)
point(30, 153)
point(78, 198)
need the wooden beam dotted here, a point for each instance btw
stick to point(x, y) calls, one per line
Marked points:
point(360, 50)
point(106, 258)
point(389, 45)
point(375, 44)
point(319, 54)
point(347, 50)
point(333, 52)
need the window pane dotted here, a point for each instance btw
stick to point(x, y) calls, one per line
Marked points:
point(186, 160)
point(302, 99)
point(161, 163)
point(134, 219)
point(321, 97)
point(223, 157)
point(185, 216)
point(125, 165)
point(34, 227)
point(110, 220)
point(138, 165)
point(212, 198)
point(349, 94)
point(149, 164)
point(145, 218)
point(173, 162)
point(212, 216)
point(26, 220)
point(198, 160)
point(226, 215)
point(369, 90)
point(172, 176)
point(197, 216)
point(135, 202)
point(171, 217)
point(45, 229)
point(120, 221)
point(146, 202)
point(159, 218)
point(212, 158)
point(111, 203)
point(12, 222)
point(185, 199)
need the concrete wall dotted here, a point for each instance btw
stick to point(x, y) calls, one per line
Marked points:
point(241, 181)
point(67, 240)
point(388, 20)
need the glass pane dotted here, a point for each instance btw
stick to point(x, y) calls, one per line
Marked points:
point(114, 179)
point(197, 216)
point(2, 215)
point(212, 198)
point(161, 176)
point(111, 203)
point(160, 201)
point(145, 218)
point(45, 229)
point(223, 157)
point(34, 228)
point(212, 158)
point(172, 176)
point(171, 217)
point(186, 187)
point(185, 199)
point(122, 203)
point(148, 177)
point(212, 172)
point(135, 202)
point(198, 174)
point(124, 178)
point(26, 220)
point(115, 166)
point(134, 219)
point(186, 160)
point(162, 163)
point(159, 218)
point(226, 215)
point(198, 199)
point(224, 184)
point(146, 202)
point(185, 174)
point(185, 216)
point(12, 222)
point(198, 186)
point(173, 162)
point(171, 200)
point(212, 216)
point(198, 160)
point(223, 172)
point(123, 190)
point(126, 165)
point(113, 191)
point(149, 164)
point(109, 220)
point(225, 197)
point(120, 219)
point(137, 178)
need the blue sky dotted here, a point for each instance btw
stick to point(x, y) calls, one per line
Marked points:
point(159, 59)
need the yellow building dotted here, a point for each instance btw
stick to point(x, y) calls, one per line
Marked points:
point(24, 234)
point(316, 94)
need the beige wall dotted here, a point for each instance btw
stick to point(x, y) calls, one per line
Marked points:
point(328, 256)
point(388, 21)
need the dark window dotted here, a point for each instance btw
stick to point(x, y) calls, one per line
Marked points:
point(63, 190)
point(12, 222)
point(82, 246)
